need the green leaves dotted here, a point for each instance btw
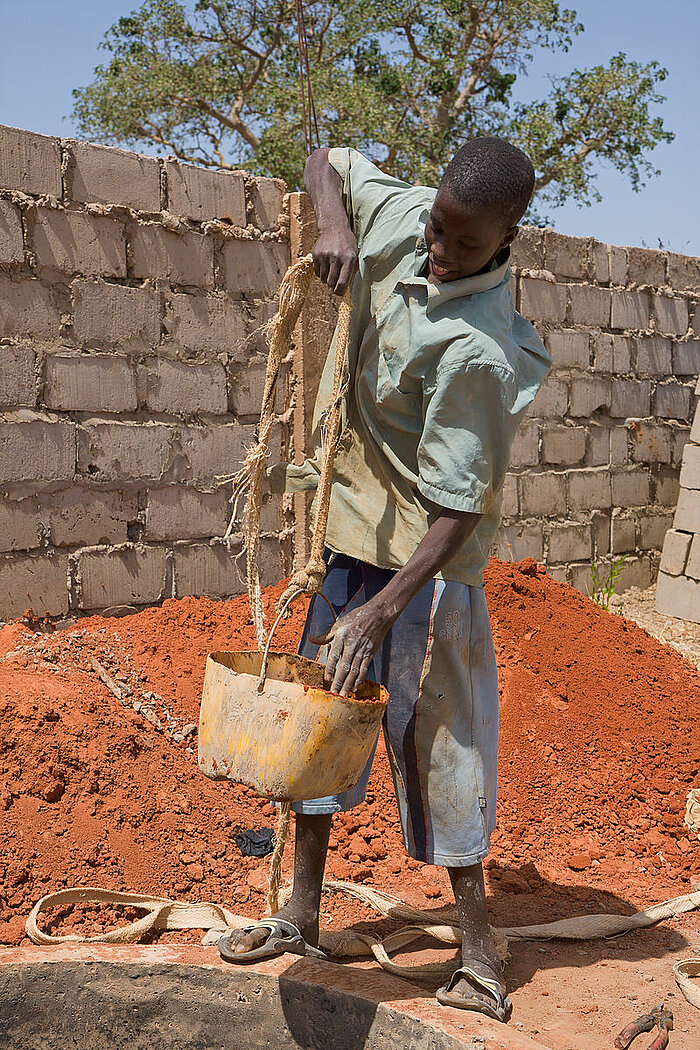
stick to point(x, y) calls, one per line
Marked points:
point(217, 82)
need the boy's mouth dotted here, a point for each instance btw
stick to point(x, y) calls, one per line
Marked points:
point(441, 272)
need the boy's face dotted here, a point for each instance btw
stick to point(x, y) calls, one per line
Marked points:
point(462, 242)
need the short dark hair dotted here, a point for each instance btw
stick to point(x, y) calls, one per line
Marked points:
point(491, 173)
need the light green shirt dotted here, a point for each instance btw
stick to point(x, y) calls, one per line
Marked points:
point(439, 378)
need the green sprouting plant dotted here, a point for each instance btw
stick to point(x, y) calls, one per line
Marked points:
point(604, 587)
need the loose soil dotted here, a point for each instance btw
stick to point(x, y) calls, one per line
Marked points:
point(599, 746)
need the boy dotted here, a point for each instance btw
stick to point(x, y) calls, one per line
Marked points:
point(441, 371)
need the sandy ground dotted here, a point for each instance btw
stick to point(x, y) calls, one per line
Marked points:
point(638, 605)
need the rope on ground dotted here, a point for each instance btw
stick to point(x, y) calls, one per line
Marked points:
point(442, 925)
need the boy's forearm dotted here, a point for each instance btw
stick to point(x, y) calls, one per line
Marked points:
point(442, 541)
point(325, 188)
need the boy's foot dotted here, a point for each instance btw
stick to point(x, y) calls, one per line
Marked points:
point(245, 940)
point(477, 986)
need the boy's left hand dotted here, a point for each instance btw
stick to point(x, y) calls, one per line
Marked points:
point(354, 639)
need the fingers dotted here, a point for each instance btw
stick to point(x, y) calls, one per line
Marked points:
point(333, 274)
point(346, 272)
point(357, 674)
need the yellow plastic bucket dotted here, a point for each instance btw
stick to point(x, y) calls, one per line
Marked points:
point(293, 740)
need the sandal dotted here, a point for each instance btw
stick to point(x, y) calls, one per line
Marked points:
point(502, 1006)
point(284, 937)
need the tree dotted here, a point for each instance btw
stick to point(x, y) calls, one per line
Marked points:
point(217, 82)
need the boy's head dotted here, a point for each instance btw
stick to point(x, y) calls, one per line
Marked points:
point(483, 194)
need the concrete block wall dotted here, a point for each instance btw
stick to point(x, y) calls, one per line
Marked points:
point(595, 466)
point(678, 588)
point(132, 293)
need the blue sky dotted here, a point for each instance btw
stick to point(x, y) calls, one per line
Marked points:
point(51, 46)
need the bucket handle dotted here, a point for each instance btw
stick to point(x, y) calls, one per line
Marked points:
point(292, 597)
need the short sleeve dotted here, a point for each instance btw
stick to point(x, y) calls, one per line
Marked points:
point(467, 433)
point(366, 188)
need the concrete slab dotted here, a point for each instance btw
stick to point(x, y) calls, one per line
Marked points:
point(172, 996)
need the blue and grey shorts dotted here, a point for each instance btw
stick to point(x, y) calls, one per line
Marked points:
point(441, 725)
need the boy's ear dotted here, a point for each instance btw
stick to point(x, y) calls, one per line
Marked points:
point(509, 237)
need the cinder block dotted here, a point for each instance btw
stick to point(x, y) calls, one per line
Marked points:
point(254, 267)
point(692, 569)
point(105, 175)
point(528, 248)
point(561, 444)
point(695, 429)
point(20, 528)
point(551, 399)
point(542, 494)
point(558, 573)
point(630, 398)
point(678, 596)
point(569, 541)
point(565, 256)
point(541, 300)
point(524, 451)
point(37, 581)
point(29, 163)
point(617, 258)
point(690, 471)
point(672, 401)
point(18, 380)
point(630, 310)
point(653, 356)
point(89, 383)
point(568, 348)
point(589, 305)
point(267, 197)
point(74, 242)
point(687, 517)
point(509, 496)
point(515, 542)
point(679, 439)
point(181, 513)
point(602, 352)
point(601, 262)
point(651, 443)
point(619, 444)
point(630, 488)
point(683, 272)
point(588, 489)
point(115, 315)
point(580, 577)
point(247, 385)
point(201, 194)
point(208, 326)
point(114, 450)
point(686, 358)
point(622, 355)
point(646, 267)
point(653, 528)
point(201, 568)
point(214, 451)
point(670, 315)
point(636, 572)
point(181, 258)
point(26, 308)
point(666, 486)
point(623, 533)
point(128, 576)
point(78, 517)
point(598, 449)
point(178, 388)
point(675, 553)
point(588, 395)
point(600, 522)
point(11, 239)
point(35, 446)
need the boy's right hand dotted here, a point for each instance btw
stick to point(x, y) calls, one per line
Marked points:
point(335, 258)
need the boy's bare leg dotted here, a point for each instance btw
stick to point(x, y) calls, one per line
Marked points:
point(309, 863)
point(478, 946)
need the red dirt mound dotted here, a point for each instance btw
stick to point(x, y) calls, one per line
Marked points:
point(599, 746)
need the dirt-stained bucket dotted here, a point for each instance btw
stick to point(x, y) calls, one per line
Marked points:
point(293, 740)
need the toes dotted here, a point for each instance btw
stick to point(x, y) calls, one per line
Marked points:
point(245, 942)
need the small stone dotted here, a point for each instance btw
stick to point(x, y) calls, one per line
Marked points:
point(579, 861)
point(188, 730)
point(137, 706)
point(511, 882)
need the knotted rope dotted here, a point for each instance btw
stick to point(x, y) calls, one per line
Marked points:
point(292, 295)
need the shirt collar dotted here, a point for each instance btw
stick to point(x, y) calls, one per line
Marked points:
point(447, 290)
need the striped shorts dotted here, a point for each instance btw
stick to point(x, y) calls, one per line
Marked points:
point(441, 726)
